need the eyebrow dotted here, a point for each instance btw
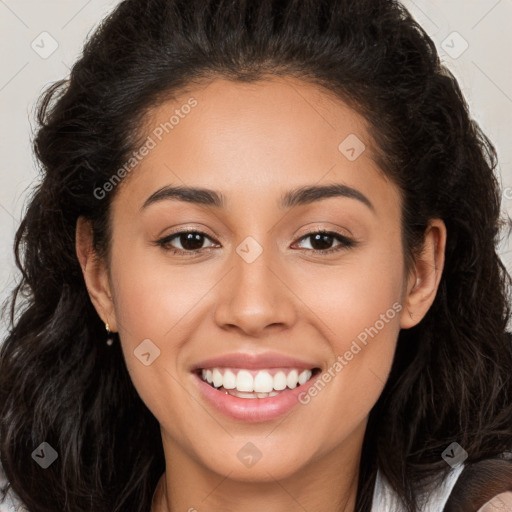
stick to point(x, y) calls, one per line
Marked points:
point(296, 197)
point(309, 194)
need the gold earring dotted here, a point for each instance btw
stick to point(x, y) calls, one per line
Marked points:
point(110, 338)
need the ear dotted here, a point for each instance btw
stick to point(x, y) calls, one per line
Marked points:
point(423, 280)
point(95, 273)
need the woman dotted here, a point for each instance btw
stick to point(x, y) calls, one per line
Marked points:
point(336, 342)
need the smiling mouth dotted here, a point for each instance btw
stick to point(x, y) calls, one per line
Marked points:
point(251, 384)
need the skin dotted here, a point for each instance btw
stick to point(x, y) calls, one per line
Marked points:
point(254, 142)
point(502, 502)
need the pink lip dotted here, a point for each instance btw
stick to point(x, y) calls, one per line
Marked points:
point(251, 361)
point(255, 409)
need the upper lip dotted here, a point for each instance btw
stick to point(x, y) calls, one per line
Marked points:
point(254, 361)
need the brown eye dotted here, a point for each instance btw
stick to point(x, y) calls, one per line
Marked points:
point(322, 241)
point(191, 241)
point(187, 241)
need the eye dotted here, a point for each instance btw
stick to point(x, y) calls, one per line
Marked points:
point(322, 241)
point(191, 242)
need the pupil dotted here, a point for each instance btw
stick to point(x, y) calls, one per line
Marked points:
point(191, 241)
point(322, 241)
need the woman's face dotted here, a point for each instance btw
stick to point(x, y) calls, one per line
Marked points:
point(256, 303)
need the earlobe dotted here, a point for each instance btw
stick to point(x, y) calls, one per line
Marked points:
point(95, 273)
point(425, 277)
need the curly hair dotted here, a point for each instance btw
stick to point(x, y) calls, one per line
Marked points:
point(451, 378)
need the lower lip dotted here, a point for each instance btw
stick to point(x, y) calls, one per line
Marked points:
point(253, 409)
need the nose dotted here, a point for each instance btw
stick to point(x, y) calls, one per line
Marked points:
point(255, 297)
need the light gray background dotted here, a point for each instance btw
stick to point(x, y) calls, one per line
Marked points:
point(483, 70)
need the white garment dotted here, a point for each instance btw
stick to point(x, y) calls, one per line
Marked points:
point(385, 498)
point(11, 502)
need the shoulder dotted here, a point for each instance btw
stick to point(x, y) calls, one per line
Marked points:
point(483, 484)
point(502, 502)
point(11, 502)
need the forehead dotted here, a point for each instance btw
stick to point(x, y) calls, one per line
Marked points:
point(277, 112)
point(278, 133)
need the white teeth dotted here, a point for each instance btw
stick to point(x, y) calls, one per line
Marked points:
point(239, 394)
point(229, 381)
point(263, 382)
point(217, 378)
point(280, 381)
point(262, 385)
point(244, 381)
point(304, 376)
point(292, 379)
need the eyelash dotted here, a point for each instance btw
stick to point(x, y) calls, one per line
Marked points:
point(345, 242)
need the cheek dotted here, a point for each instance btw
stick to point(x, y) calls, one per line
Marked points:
point(152, 297)
point(164, 303)
point(355, 294)
point(357, 306)
point(363, 345)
